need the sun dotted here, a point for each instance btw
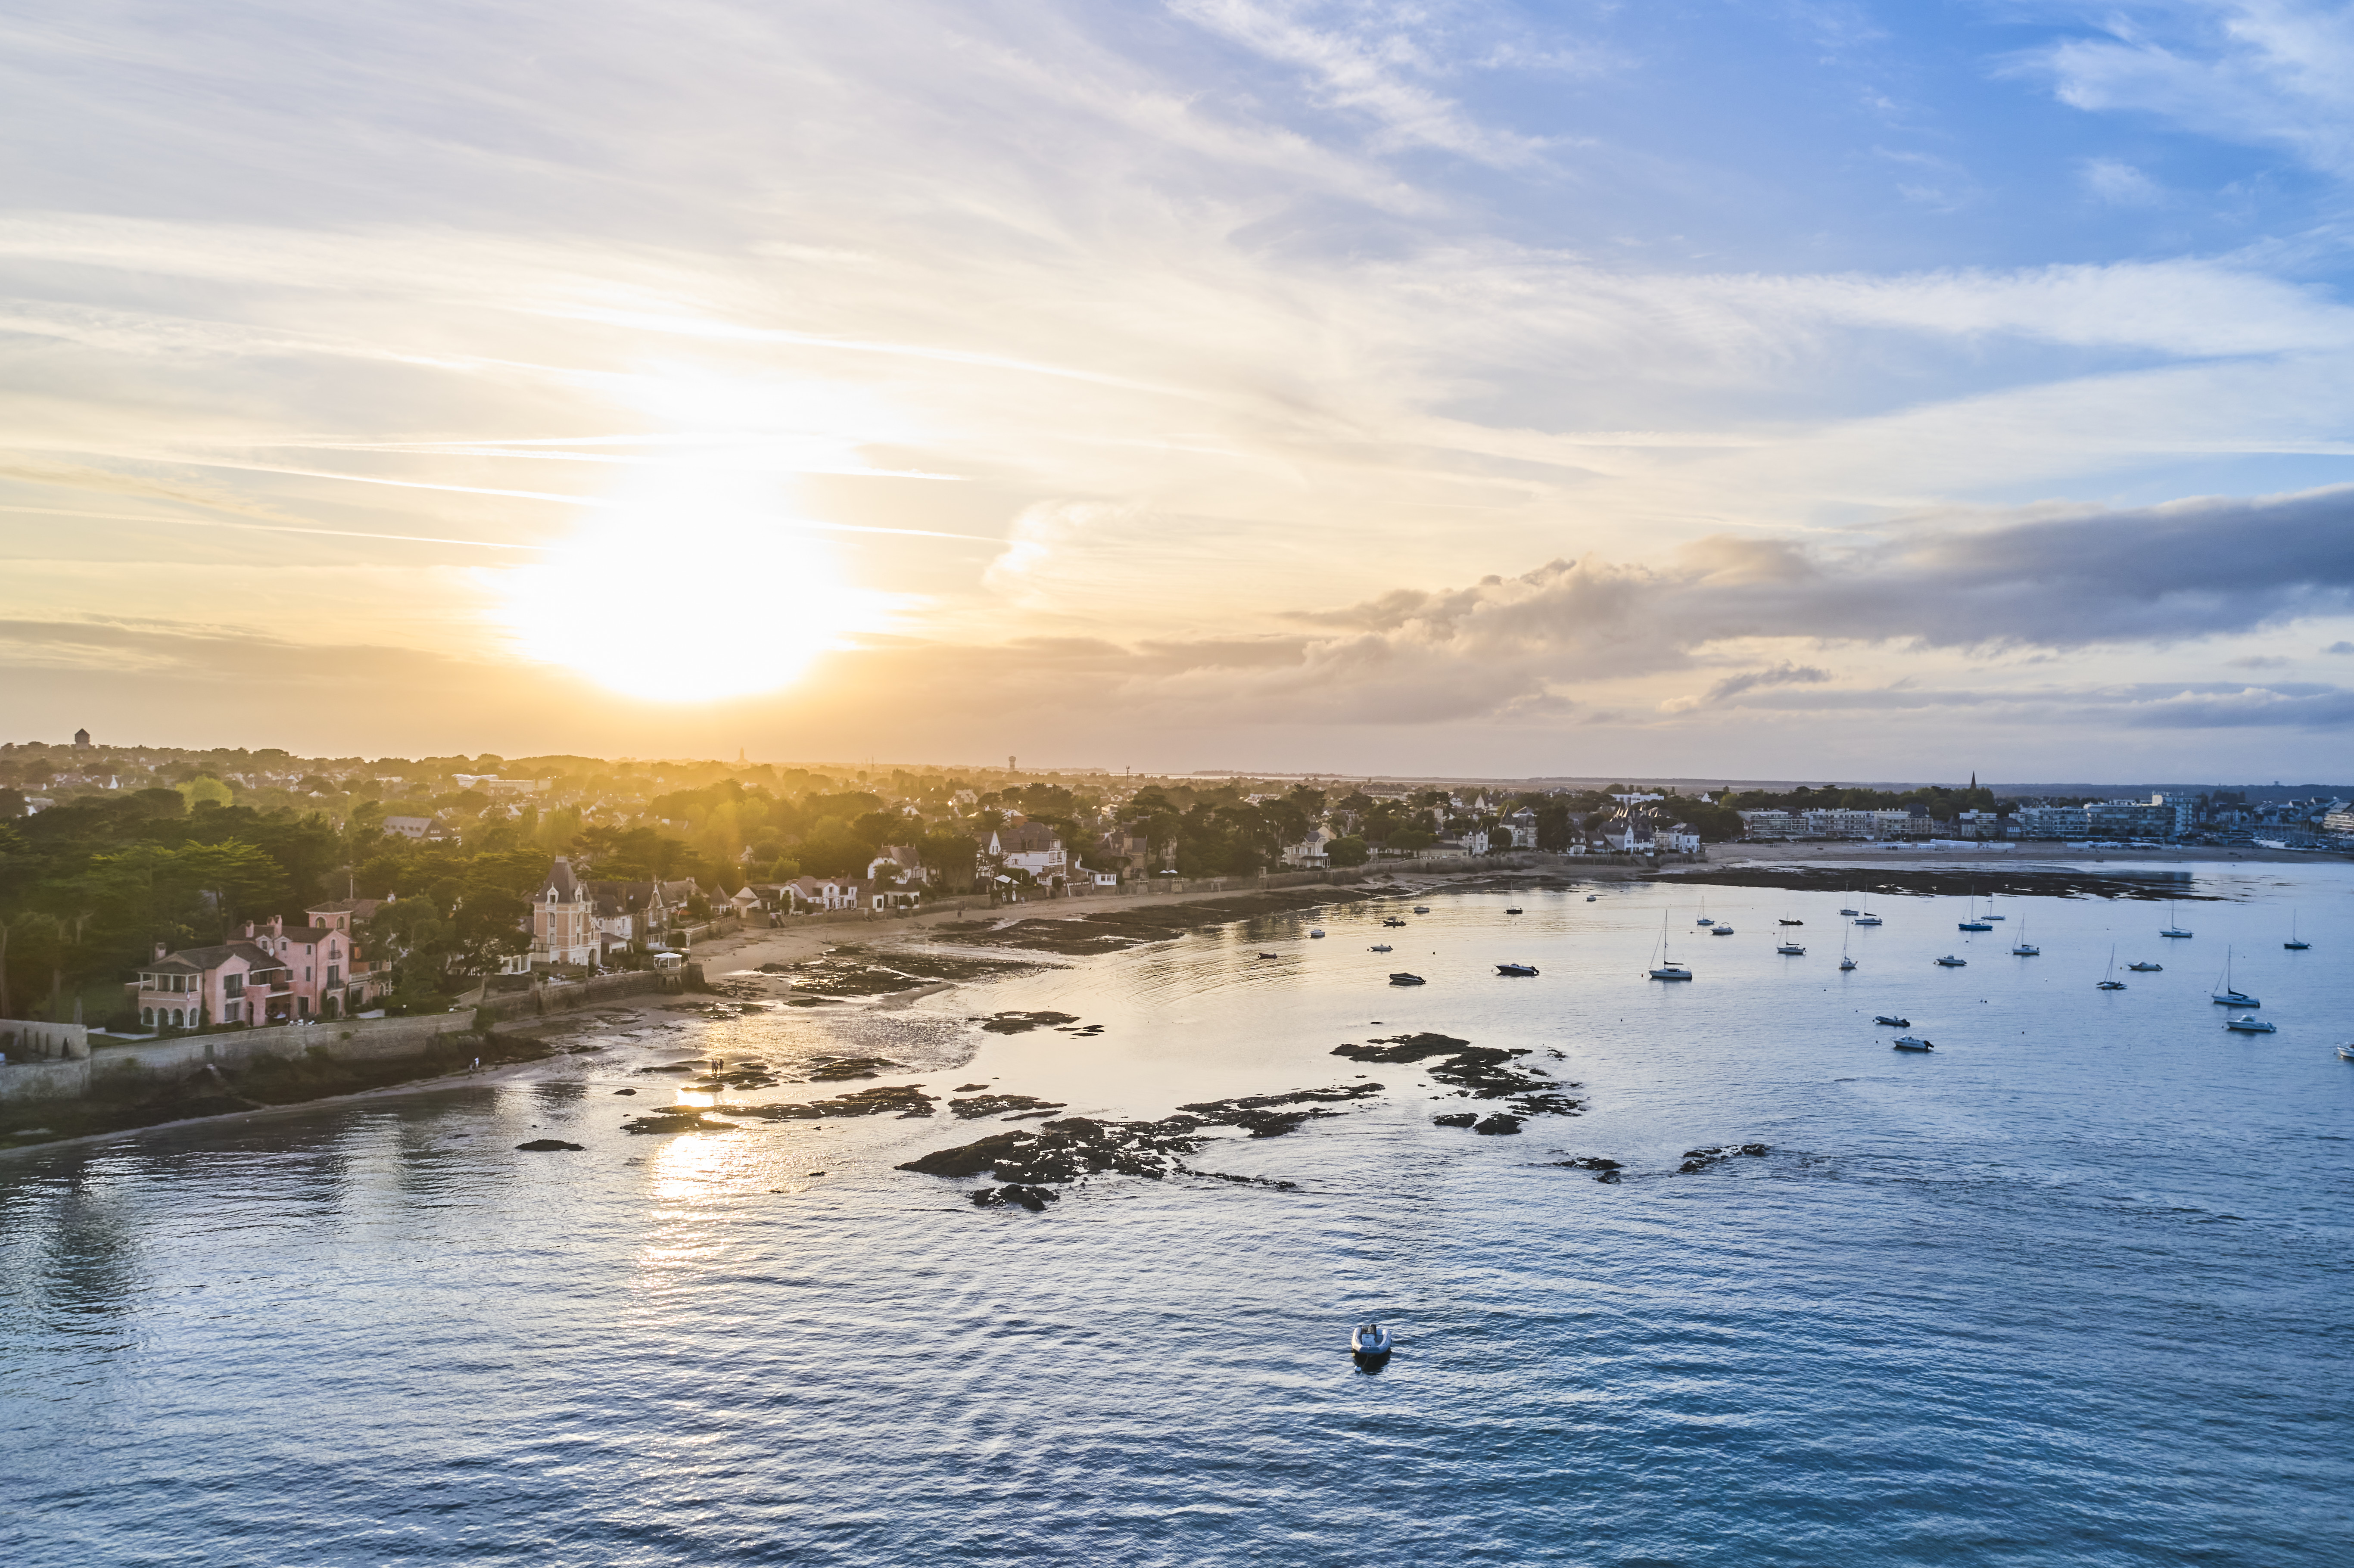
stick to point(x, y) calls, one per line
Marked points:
point(704, 593)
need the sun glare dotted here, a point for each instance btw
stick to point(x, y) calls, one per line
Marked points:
point(703, 597)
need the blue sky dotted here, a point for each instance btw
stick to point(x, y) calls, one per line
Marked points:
point(1684, 388)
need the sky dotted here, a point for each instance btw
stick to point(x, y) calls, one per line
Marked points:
point(1768, 389)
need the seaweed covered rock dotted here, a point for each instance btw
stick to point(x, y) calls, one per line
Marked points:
point(1484, 1072)
point(1455, 1118)
point(1016, 1194)
point(548, 1146)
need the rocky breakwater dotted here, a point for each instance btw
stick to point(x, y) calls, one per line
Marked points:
point(1477, 1071)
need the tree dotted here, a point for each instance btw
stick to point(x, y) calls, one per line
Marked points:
point(1348, 852)
point(204, 790)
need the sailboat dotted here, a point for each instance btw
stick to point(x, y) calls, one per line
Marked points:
point(2109, 981)
point(2026, 950)
point(2172, 928)
point(1845, 962)
point(1974, 923)
point(1668, 969)
point(2229, 996)
point(1843, 893)
point(2294, 943)
point(1703, 919)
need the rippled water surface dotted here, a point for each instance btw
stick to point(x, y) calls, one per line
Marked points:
point(2074, 1289)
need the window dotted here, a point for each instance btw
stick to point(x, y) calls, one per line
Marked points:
point(232, 1012)
point(232, 985)
point(332, 975)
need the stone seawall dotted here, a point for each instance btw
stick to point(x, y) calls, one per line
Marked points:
point(351, 1039)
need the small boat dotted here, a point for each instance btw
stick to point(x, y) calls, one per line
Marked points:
point(2147, 969)
point(1951, 962)
point(1909, 1042)
point(1267, 955)
point(1514, 909)
point(1845, 962)
point(1719, 930)
point(1704, 920)
point(1370, 1343)
point(2109, 980)
point(1789, 922)
point(1792, 948)
point(1317, 931)
point(2345, 1052)
point(1516, 969)
point(2295, 944)
point(2229, 996)
point(1893, 1021)
point(1402, 977)
point(1378, 947)
point(2251, 1024)
point(1867, 919)
point(1668, 969)
point(1589, 898)
point(1392, 920)
point(2026, 950)
point(2172, 928)
point(1422, 908)
point(1973, 926)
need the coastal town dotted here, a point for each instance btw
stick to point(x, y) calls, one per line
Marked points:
point(147, 890)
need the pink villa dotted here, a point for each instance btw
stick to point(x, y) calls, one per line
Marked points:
point(273, 974)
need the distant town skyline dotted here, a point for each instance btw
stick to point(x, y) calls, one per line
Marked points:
point(1476, 390)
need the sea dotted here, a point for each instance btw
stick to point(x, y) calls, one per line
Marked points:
point(2077, 1287)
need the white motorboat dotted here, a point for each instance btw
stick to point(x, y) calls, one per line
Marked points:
point(1371, 1342)
point(2147, 969)
point(2251, 1024)
point(1951, 962)
point(1893, 1022)
point(1909, 1042)
point(1516, 970)
point(1867, 919)
point(2345, 1052)
point(1317, 932)
point(1719, 930)
point(2230, 996)
point(1403, 977)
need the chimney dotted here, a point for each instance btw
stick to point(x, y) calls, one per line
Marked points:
point(159, 953)
point(278, 924)
point(248, 931)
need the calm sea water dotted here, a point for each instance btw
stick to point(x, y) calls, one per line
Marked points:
point(2077, 1288)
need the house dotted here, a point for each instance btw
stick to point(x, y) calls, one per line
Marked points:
point(273, 974)
point(1310, 852)
point(819, 893)
point(564, 919)
point(899, 863)
point(639, 913)
point(492, 784)
point(1678, 839)
point(1031, 847)
point(428, 828)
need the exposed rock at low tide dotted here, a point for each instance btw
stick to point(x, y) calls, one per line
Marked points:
point(997, 1105)
point(1455, 1118)
point(1699, 1160)
point(904, 1100)
point(1498, 1125)
point(548, 1146)
point(1023, 1023)
point(1014, 1193)
point(1483, 1072)
point(840, 1069)
point(1071, 1147)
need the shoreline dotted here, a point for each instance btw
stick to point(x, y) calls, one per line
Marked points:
point(743, 950)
